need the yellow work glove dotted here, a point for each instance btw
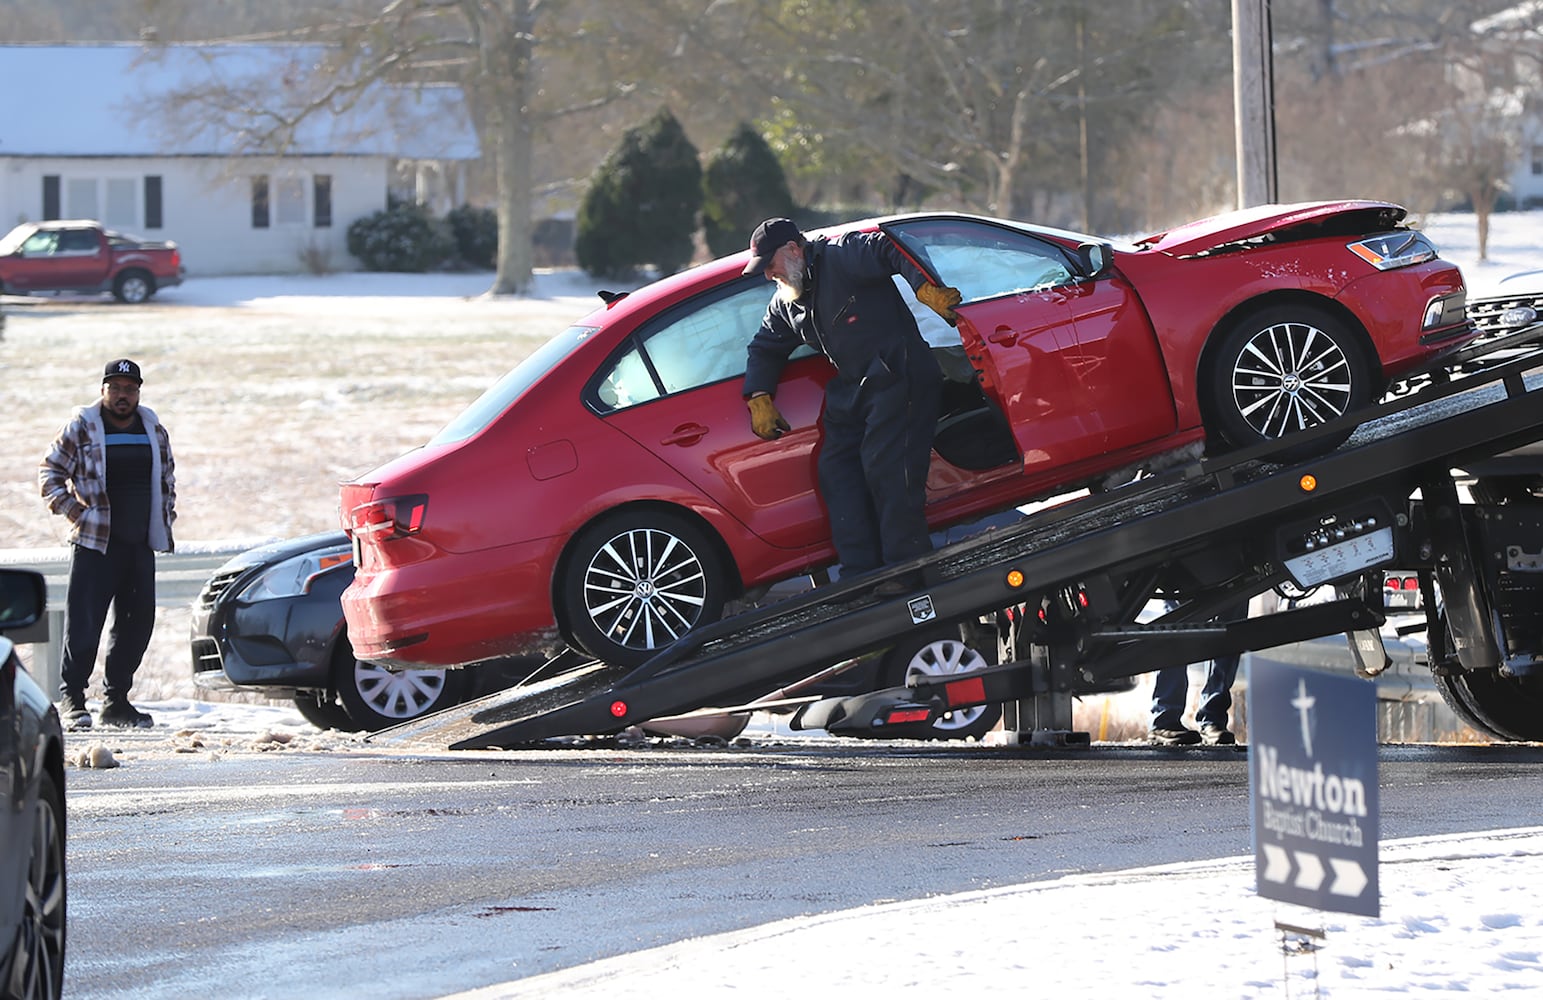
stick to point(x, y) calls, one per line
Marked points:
point(941, 299)
point(764, 418)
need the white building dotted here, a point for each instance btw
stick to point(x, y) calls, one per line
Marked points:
point(107, 132)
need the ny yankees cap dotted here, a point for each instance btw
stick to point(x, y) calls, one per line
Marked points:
point(122, 367)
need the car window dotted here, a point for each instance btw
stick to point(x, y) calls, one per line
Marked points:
point(698, 344)
point(488, 406)
point(41, 242)
point(77, 241)
point(984, 261)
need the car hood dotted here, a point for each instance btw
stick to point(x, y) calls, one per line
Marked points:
point(1346, 216)
point(273, 552)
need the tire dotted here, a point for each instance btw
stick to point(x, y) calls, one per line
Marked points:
point(321, 709)
point(133, 287)
point(37, 952)
point(1283, 369)
point(635, 582)
point(1508, 708)
point(376, 698)
point(940, 653)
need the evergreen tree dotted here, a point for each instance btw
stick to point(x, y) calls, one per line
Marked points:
point(642, 206)
point(742, 185)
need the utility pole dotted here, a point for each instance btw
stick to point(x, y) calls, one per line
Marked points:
point(1253, 101)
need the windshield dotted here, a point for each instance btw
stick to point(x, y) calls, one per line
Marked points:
point(12, 240)
point(486, 408)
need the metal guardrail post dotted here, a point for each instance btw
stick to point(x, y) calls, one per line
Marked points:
point(46, 637)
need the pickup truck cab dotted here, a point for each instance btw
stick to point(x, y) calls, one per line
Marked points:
point(76, 255)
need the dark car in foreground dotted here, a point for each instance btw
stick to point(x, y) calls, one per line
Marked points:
point(609, 494)
point(32, 820)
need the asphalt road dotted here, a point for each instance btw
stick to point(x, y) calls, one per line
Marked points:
point(350, 872)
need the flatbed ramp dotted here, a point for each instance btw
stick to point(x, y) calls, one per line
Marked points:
point(1136, 526)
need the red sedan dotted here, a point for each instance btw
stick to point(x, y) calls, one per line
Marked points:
point(608, 493)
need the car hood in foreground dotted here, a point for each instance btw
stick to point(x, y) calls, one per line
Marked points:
point(1231, 227)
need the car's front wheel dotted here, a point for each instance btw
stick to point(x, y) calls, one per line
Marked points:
point(637, 581)
point(1284, 369)
point(37, 952)
point(322, 710)
point(940, 654)
point(375, 697)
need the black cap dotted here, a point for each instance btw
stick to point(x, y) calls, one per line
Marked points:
point(769, 237)
point(123, 368)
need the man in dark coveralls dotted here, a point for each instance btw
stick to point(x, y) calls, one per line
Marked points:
point(881, 408)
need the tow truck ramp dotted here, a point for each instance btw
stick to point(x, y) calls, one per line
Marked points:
point(1065, 584)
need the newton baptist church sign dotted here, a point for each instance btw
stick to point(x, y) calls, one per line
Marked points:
point(1313, 783)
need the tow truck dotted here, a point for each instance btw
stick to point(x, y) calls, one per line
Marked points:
point(1060, 594)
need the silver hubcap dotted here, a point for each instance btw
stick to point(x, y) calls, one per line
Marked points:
point(1291, 376)
point(940, 658)
point(644, 589)
point(398, 694)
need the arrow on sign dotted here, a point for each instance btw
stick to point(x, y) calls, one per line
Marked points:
point(1349, 877)
point(1277, 863)
point(1309, 871)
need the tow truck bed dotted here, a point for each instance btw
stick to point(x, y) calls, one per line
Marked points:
point(1139, 528)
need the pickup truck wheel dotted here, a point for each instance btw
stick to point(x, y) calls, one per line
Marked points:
point(637, 581)
point(938, 654)
point(1283, 369)
point(133, 287)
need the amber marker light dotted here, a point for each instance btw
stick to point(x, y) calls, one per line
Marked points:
point(1308, 482)
point(1015, 578)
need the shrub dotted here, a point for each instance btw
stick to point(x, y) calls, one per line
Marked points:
point(476, 235)
point(400, 238)
point(641, 207)
point(743, 184)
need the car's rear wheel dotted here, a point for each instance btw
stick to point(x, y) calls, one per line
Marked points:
point(940, 653)
point(1285, 369)
point(375, 697)
point(133, 287)
point(37, 953)
point(321, 709)
point(637, 581)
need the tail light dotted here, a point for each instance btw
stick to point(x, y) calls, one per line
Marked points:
point(394, 517)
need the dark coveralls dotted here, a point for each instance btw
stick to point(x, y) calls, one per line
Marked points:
point(881, 408)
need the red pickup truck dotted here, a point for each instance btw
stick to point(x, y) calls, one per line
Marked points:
point(80, 256)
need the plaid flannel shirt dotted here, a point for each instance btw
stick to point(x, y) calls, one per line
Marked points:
point(73, 480)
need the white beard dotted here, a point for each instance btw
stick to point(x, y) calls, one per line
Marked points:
point(791, 288)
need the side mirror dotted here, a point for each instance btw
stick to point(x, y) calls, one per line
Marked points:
point(23, 597)
point(1095, 258)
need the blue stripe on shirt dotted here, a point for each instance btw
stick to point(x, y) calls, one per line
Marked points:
point(127, 438)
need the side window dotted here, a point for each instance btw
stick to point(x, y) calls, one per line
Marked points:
point(40, 243)
point(983, 261)
point(77, 241)
point(701, 343)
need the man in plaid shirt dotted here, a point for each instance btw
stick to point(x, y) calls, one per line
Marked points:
point(110, 474)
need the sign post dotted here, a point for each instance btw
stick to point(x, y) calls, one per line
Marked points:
point(1313, 786)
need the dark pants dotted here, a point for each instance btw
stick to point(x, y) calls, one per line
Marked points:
point(873, 469)
point(1170, 690)
point(125, 579)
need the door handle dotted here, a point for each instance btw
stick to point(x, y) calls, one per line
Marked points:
point(685, 434)
point(1004, 335)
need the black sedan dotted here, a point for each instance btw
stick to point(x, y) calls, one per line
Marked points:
point(32, 832)
point(269, 622)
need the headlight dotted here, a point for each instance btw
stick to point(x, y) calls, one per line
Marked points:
point(1400, 248)
point(293, 576)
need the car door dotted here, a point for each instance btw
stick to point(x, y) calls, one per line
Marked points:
point(1017, 327)
point(676, 388)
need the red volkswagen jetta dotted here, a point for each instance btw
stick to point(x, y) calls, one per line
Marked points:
point(608, 493)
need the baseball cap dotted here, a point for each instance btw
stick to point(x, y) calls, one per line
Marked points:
point(122, 367)
point(769, 237)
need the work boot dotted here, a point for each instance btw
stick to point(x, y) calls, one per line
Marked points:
point(72, 712)
point(124, 716)
point(1217, 736)
point(1180, 737)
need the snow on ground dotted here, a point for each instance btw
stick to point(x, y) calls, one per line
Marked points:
point(274, 388)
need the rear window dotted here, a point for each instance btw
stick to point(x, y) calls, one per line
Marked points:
point(487, 407)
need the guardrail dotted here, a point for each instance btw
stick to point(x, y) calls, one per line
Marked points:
point(179, 576)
